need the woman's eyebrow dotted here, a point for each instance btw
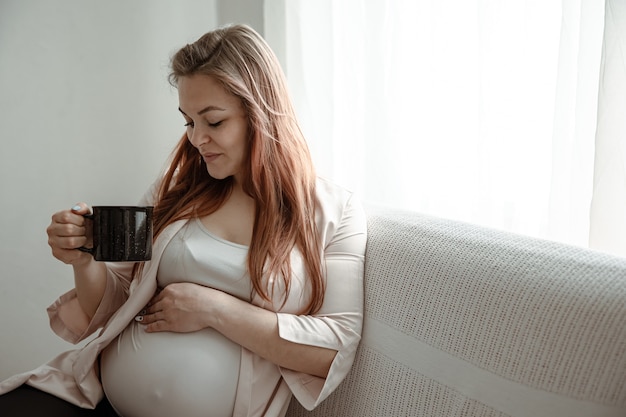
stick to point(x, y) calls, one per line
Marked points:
point(204, 110)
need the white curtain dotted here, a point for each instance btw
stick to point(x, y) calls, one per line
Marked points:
point(608, 214)
point(477, 110)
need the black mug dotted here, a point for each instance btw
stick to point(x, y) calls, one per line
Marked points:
point(121, 233)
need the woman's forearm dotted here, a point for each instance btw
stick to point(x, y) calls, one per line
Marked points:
point(256, 329)
point(90, 283)
point(187, 307)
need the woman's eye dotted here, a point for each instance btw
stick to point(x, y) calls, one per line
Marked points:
point(191, 124)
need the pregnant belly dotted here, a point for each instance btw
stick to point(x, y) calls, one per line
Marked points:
point(171, 374)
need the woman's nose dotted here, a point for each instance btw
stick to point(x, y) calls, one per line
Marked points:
point(199, 137)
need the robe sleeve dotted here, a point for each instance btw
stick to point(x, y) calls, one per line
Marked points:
point(67, 318)
point(69, 321)
point(339, 323)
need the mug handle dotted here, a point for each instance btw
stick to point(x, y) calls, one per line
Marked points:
point(90, 251)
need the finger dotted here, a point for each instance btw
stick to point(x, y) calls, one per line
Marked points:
point(64, 239)
point(66, 230)
point(155, 304)
point(66, 223)
point(146, 317)
point(153, 322)
point(75, 215)
point(81, 208)
point(66, 242)
point(158, 326)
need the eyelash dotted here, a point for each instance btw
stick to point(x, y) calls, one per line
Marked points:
point(191, 124)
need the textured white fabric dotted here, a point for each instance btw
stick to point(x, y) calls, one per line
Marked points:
point(462, 320)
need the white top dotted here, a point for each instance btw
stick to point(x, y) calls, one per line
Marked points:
point(181, 374)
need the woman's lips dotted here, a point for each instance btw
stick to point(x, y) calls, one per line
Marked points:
point(210, 157)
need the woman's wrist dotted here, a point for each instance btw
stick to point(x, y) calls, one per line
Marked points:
point(90, 283)
point(218, 303)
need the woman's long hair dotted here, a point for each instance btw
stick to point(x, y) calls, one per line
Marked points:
point(278, 172)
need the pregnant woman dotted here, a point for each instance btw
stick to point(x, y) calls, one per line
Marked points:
point(254, 292)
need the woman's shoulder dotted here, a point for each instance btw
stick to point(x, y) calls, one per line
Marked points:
point(335, 202)
point(330, 192)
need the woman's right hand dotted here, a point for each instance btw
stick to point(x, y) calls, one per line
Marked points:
point(67, 232)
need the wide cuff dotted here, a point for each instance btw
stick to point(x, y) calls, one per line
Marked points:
point(311, 390)
point(71, 323)
point(67, 318)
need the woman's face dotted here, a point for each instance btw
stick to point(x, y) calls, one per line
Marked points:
point(216, 124)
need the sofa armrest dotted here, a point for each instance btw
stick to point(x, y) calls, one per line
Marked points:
point(464, 320)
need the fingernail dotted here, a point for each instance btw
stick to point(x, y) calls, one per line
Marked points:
point(76, 208)
point(139, 318)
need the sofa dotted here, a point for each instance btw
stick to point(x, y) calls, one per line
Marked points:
point(463, 320)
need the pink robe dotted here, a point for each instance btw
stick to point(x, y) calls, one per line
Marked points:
point(264, 389)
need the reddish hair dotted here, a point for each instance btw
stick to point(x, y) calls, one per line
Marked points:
point(278, 172)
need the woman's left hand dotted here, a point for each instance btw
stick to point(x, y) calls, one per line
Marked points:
point(180, 307)
point(187, 307)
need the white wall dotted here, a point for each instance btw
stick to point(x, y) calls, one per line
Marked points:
point(86, 114)
point(242, 11)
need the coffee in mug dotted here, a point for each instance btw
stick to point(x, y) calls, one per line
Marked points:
point(121, 233)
